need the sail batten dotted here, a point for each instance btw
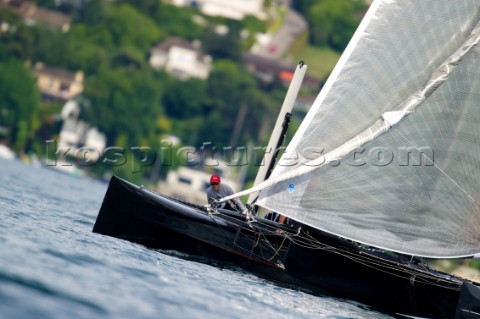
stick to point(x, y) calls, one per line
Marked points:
point(397, 134)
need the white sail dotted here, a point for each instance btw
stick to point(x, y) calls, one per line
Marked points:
point(407, 92)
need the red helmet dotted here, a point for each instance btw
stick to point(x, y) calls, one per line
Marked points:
point(215, 179)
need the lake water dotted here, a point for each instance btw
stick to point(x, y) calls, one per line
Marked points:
point(53, 266)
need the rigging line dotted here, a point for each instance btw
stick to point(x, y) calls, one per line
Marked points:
point(285, 237)
point(216, 212)
point(372, 261)
point(256, 241)
point(400, 276)
point(275, 251)
point(312, 244)
point(375, 260)
point(422, 277)
point(440, 169)
point(365, 259)
point(279, 248)
point(291, 237)
point(261, 235)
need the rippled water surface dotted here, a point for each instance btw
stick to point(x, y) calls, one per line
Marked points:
point(53, 266)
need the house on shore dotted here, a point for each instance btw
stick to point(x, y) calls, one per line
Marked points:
point(181, 58)
point(232, 9)
point(32, 14)
point(82, 141)
point(56, 84)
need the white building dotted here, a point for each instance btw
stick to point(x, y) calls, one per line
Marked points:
point(57, 83)
point(181, 58)
point(232, 9)
point(75, 133)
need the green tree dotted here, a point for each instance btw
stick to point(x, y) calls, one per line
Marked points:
point(86, 56)
point(333, 22)
point(229, 87)
point(184, 99)
point(16, 41)
point(50, 46)
point(19, 101)
point(92, 13)
point(124, 102)
point(148, 7)
point(130, 28)
point(252, 25)
point(127, 57)
point(303, 6)
point(224, 46)
point(116, 26)
point(178, 22)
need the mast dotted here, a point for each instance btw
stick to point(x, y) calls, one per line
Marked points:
point(279, 132)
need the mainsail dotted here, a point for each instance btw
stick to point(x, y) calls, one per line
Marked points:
point(389, 154)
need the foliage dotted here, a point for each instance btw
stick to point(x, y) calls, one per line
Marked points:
point(19, 100)
point(302, 6)
point(85, 56)
point(228, 88)
point(70, 50)
point(16, 41)
point(123, 102)
point(252, 25)
point(92, 13)
point(147, 7)
point(333, 22)
point(224, 46)
point(178, 22)
point(120, 19)
point(184, 99)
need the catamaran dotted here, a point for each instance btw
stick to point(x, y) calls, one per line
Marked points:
point(382, 173)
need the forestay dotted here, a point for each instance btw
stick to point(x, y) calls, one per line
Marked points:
point(389, 154)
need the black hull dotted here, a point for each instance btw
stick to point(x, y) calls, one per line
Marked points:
point(311, 259)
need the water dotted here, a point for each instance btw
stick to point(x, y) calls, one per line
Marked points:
point(53, 266)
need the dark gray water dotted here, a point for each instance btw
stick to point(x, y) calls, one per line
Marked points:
point(53, 266)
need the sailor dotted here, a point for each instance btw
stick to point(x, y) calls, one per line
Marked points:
point(217, 190)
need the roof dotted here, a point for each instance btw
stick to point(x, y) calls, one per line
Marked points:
point(28, 10)
point(286, 75)
point(282, 71)
point(50, 17)
point(60, 73)
point(265, 62)
point(166, 45)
